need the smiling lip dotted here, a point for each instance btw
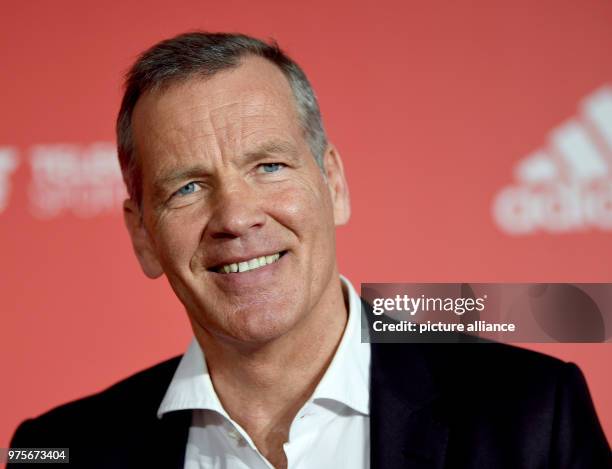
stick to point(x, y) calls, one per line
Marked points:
point(253, 281)
point(247, 264)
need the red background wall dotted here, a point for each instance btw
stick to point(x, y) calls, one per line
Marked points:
point(432, 105)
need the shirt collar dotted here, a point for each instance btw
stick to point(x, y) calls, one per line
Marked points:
point(191, 387)
point(346, 380)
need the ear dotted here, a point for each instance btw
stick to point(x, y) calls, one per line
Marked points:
point(143, 247)
point(338, 187)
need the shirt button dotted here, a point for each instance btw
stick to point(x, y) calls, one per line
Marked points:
point(233, 433)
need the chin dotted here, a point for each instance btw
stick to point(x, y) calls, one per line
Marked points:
point(262, 325)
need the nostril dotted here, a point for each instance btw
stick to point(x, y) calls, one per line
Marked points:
point(236, 219)
point(223, 235)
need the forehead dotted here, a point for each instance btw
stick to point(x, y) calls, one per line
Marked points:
point(251, 97)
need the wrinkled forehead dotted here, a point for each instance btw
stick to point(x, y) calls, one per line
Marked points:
point(255, 93)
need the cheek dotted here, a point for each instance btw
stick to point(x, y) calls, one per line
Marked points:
point(304, 206)
point(178, 240)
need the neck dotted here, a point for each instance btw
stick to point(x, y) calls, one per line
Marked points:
point(263, 386)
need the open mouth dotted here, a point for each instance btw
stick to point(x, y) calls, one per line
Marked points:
point(250, 264)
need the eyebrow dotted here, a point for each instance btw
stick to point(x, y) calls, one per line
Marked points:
point(272, 147)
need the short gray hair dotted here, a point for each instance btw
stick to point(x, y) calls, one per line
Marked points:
point(204, 54)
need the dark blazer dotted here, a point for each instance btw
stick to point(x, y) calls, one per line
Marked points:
point(432, 406)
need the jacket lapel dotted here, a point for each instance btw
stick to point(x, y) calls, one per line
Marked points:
point(406, 427)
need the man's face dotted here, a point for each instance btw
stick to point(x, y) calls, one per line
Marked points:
point(228, 182)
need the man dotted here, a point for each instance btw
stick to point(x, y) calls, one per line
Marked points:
point(235, 194)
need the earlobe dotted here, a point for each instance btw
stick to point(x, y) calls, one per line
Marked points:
point(338, 187)
point(141, 241)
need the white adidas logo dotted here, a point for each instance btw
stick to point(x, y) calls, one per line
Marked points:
point(567, 186)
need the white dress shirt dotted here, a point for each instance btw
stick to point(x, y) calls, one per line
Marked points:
point(331, 430)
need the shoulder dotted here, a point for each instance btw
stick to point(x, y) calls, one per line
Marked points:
point(498, 399)
point(484, 379)
point(495, 371)
point(133, 399)
point(485, 359)
point(541, 402)
point(491, 361)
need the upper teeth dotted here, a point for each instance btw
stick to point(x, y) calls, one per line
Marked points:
point(251, 264)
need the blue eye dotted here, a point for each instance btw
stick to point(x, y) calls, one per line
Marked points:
point(271, 167)
point(189, 188)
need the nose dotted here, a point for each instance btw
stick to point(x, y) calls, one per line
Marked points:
point(237, 211)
